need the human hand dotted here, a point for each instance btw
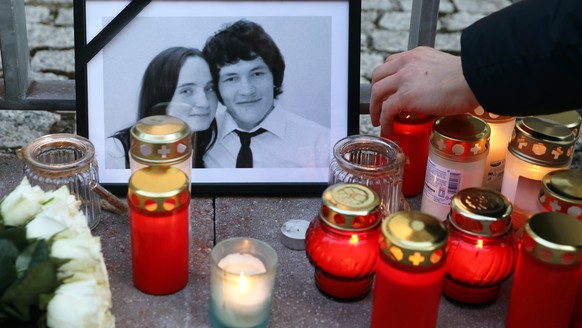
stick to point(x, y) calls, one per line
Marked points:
point(421, 80)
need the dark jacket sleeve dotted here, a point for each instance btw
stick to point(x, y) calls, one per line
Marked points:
point(526, 59)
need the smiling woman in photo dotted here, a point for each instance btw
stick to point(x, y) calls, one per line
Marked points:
point(177, 82)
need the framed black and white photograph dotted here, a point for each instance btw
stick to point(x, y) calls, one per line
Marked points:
point(283, 72)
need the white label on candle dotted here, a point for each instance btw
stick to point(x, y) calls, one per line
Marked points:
point(441, 184)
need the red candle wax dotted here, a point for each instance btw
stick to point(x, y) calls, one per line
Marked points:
point(547, 274)
point(412, 132)
point(342, 241)
point(576, 321)
point(344, 261)
point(159, 200)
point(159, 251)
point(406, 298)
point(482, 248)
point(409, 271)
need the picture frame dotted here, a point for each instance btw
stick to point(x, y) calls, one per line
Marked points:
point(319, 40)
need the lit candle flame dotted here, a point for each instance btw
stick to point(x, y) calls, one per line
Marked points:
point(354, 240)
point(479, 244)
point(243, 283)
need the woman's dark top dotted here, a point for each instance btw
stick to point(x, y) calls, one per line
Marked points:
point(526, 59)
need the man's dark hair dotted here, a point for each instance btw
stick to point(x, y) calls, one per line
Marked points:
point(244, 40)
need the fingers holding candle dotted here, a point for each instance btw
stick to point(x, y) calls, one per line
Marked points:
point(421, 80)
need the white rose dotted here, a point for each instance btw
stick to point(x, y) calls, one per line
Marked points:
point(84, 252)
point(22, 204)
point(62, 196)
point(43, 226)
point(80, 304)
point(62, 211)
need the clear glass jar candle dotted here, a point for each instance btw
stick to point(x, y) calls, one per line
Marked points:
point(501, 129)
point(63, 159)
point(409, 271)
point(161, 140)
point(159, 200)
point(341, 242)
point(456, 160)
point(372, 161)
point(482, 249)
point(242, 278)
point(537, 147)
point(548, 272)
point(411, 131)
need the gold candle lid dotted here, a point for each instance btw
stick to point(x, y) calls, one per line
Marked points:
point(542, 142)
point(554, 238)
point(460, 136)
point(160, 139)
point(490, 117)
point(415, 239)
point(562, 192)
point(481, 212)
point(158, 189)
point(350, 207)
point(571, 119)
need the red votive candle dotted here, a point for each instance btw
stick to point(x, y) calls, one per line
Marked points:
point(158, 199)
point(576, 321)
point(410, 270)
point(482, 249)
point(342, 241)
point(411, 131)
point(547, 273)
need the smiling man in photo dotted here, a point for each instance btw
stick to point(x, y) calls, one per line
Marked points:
point(255, 131)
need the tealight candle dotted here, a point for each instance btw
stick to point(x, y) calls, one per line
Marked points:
point(242, 279)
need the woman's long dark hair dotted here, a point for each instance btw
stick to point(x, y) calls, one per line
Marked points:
point(159, 82)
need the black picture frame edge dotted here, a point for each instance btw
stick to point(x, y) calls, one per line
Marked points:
point(272, 189)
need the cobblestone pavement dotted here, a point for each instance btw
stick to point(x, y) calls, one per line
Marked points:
point(385, 26)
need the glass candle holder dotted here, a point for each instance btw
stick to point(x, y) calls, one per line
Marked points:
point(501, 129)
point(456, 160)
point(161, 140)
point(242, 276)
point(159, 200)
point(482, 249)
point(342, 241)
point(372, 161)
point(548, 272)
point(562, 192)
point(411, 131)
point(537, 147)
point(57, 160)
point(409, 271)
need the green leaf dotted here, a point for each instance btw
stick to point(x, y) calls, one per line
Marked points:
point(7, 273)
point(41, 278)
point(17, 235)
point(37, 252)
